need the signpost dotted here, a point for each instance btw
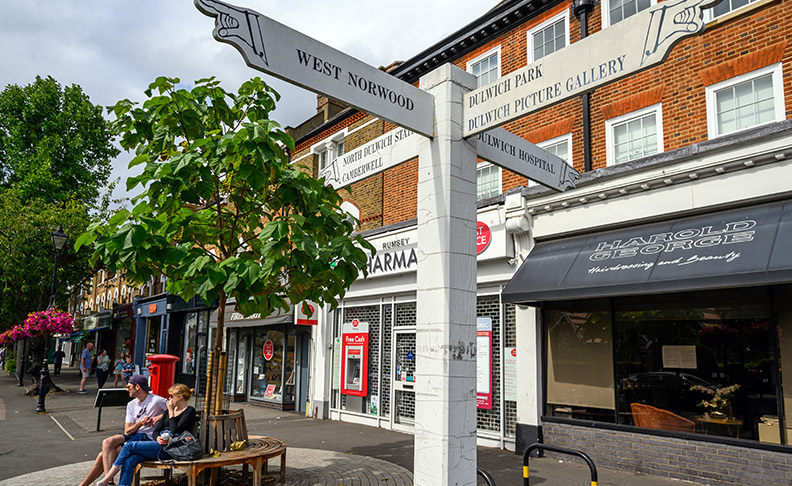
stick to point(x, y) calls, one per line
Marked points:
point(632, 45)
point(292, 56)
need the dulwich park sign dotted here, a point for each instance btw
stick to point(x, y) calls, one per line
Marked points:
point(632, 45)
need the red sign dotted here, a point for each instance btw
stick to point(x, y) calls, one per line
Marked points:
point(303, 319)
point(354, 360)
point(483, 237)
point(152, 308)
point(269, 350)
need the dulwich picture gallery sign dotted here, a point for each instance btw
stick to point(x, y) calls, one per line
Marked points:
point(632, 45)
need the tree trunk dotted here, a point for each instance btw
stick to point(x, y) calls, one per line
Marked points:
point(215, 380)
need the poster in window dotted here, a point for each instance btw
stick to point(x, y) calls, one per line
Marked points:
point(484, 363)
point(510, 374)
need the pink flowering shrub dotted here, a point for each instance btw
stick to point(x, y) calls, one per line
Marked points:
point(38, 323)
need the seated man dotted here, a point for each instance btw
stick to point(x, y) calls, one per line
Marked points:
point(142, 413)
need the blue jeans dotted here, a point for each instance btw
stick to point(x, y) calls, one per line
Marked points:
point(132, 454)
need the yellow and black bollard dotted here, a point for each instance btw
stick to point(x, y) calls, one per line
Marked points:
point(560, 450)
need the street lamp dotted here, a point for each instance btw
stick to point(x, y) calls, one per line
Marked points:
point(59, 238)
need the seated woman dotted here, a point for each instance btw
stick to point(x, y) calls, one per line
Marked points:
point(180, 417)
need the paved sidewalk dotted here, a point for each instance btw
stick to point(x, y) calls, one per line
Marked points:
point(304, 467)
point(59, 446)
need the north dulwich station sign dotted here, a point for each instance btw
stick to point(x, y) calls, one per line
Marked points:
point(292, 56)
point(632, 45)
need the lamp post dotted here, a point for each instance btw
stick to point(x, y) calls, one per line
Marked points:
point(59, 238)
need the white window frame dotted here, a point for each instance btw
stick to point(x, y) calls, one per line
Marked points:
point(484, 164)
point(477, 59)
point(657, 109)
point(605, 9)
point(328, 147)
point(565, 138)
point(547, 23)
point(775, 70)
point(709, 13)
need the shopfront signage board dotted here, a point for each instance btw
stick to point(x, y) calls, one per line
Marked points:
point(275, 49)
point(303, 319)
point(632, 45)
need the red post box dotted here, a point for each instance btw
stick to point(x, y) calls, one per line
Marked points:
point(163, 373)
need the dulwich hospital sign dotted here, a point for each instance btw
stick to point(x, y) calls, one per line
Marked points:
point(632, 45)
point(292, 56)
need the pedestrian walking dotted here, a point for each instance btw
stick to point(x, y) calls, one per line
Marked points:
point(102, 367)
point(118, 369)
point(57, 360)
point(85, 366)
point(129, 368)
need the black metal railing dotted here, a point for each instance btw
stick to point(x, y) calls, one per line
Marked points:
point(486, 476)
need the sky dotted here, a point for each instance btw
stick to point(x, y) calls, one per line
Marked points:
point(113, 49)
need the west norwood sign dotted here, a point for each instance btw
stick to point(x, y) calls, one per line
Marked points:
point(292, 56)
point(637, 43)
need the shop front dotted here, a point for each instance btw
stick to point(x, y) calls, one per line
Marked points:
point(266, 360)
point(672, 329)
point(373, 366)
point(124, 326)
point(166, 324)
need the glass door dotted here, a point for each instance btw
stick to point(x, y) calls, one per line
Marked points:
point(241, 367)
point(403, 370)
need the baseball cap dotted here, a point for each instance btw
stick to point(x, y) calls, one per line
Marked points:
point(141, 381)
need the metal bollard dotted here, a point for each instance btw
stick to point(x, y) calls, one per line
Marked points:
point(487, 477)
point(560, 450)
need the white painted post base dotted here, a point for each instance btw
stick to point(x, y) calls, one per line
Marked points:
point(445, 408)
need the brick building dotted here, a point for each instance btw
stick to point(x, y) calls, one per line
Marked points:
point(617, 307)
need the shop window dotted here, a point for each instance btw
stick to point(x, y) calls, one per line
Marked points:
point(685, 363)
point(488, 180)
point(634, 135)
point(268, 365)
point(486, 67)
point(725, 7)
point(745, 101)
point(548, 37)
point(188, 346)
point(580, 365)
point(617, 10)
point(697, 369)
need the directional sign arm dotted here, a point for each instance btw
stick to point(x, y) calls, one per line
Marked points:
point(520, 156)
point(271, 47)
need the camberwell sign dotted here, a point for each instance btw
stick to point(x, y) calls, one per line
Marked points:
point(634, 44)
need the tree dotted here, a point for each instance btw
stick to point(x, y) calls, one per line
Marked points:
point(223, 213)
point(26, 258)
point(54, 143)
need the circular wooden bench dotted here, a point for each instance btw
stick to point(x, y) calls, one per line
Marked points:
point(258, 452)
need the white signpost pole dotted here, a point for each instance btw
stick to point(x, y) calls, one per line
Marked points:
point(445, 405)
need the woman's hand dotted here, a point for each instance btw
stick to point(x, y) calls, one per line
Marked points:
point(161, 441)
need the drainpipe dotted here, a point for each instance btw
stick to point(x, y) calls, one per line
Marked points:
point(581, 9)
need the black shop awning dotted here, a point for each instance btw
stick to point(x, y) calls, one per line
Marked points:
point(736, 248)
